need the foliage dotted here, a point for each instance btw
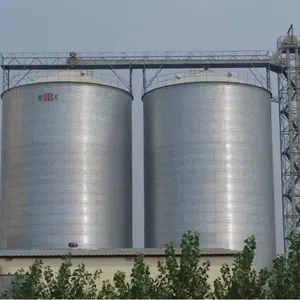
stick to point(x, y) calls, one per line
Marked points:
point(284, 279)
point(184, 278)
point(40, 282)
point(187, 279)
point(242, 281)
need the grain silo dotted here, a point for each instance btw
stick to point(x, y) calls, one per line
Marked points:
point(208, 164)
point(66, 164)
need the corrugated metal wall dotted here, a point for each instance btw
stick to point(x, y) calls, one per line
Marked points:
point(208, 166)
point(66, 166)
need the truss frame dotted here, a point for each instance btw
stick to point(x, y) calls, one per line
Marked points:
point(289, 115)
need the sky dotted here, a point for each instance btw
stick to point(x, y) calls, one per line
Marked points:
point(156, 25)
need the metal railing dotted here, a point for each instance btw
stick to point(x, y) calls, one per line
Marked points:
point(47, 59)
point(46, 76)
point(190, 76)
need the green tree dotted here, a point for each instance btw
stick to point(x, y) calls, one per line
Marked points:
point(40, 282)
point(184, 278)
point(242, 281)
point(140, 285)
point(284, 282)
point(176, 280)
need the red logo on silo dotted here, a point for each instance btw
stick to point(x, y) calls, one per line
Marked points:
point(48, 97)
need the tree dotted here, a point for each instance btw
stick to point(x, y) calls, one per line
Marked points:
point(177, 279)
point(40, 282)
point(284, 279)
point(187, 279)
point(242, 281)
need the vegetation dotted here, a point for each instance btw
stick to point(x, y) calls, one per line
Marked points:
point(186, 279)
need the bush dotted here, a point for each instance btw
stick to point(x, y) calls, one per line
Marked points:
point(186, 279)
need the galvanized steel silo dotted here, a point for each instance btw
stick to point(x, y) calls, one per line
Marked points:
point(208, 164)
point(66, 164)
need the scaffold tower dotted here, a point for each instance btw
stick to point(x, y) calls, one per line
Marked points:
point(289, 110)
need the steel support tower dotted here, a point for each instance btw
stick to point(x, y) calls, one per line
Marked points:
point(284, 62)
point(289, 113)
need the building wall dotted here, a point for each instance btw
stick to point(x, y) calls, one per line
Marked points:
point(109, 266)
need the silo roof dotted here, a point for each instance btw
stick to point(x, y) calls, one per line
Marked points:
point(205, 76)
point(69, 76)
